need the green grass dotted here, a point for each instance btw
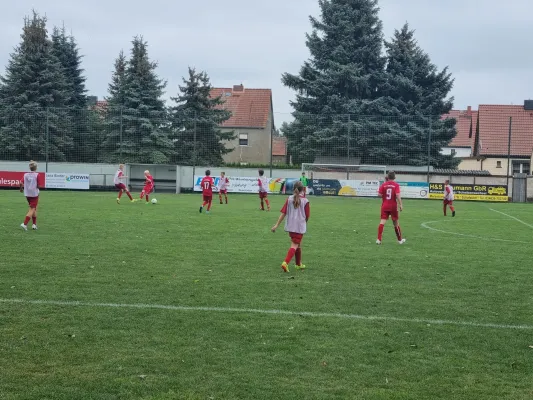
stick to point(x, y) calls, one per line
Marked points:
point(90, 249)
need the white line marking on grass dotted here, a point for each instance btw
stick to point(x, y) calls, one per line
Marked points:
point(510, 216)
point(270, 312)
point(426, 225)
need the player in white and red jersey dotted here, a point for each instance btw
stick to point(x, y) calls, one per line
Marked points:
point(207, 184)
point(223, 184)
point(263, 190)
point(30, 187)
point(448, 198)
point(389, 191)
point(297, 211)
point(148, 186)
point(119, 184)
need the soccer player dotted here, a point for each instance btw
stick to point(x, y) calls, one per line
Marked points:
point(119, 176)
point(448, 197)
point(30, 187)
point(223, 183)
point(297, 211)
point(389, 191)
point(148, 186)
point(207, 184)
point(263, 190)
point(304, 181)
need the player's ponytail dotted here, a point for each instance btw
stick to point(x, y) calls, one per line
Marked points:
point(298, 188)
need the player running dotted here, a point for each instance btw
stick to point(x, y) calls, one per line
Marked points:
point(148, 186)
point(305, 182)
point(448, 197)
point(30, 187)
point(207, 184)
point(263, 190)
point(389, 191)
point(297, 211)
point(223, 184)
point(119, 177)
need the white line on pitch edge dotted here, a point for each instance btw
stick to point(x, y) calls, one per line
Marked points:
point(270, 312)
point(426, 225)
point(510, 216)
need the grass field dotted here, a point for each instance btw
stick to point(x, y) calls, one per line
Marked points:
point(177, 305)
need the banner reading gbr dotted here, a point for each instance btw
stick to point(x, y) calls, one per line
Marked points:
point(471, 192)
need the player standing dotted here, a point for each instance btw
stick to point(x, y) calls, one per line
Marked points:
point(30, 187)
point(448, 197)
point(297, 211)
point(304, 181)
point(207, 191)
point(119, 176)
point(389, 191)
point(263, 190)
point(223, 183)
point(148, 186)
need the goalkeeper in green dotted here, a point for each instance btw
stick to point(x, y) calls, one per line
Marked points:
point(304, 181)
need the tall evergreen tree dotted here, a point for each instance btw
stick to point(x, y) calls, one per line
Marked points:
point(196, 120)
point(416, 94)
point(145, 130)
point(33, 94)
point(342, 76)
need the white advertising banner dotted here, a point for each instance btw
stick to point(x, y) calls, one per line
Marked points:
point(414, 190)
point(60, 180)
point(237, 184)
point(358, 188)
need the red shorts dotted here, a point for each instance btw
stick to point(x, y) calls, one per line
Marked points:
point(120, 186)
point(392, 213)
point(448, 202)
point(208, 197)
point(33, 201)
point(148, 189)
point(223, 191)
point(296, 237)
point(263, 195)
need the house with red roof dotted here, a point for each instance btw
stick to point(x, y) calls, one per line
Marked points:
point(462, 144)
point(252, 120)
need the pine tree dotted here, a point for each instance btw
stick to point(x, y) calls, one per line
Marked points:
point(145, 131)
point(417, 96)
point(33, 94)
point(196, 121)
point(341, 78)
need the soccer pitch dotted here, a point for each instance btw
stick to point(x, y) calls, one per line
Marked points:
point(138, 301)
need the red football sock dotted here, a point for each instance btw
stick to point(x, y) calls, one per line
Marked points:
point(268, 203)
point(298, 256)
point(129, 195)
point(120, 194)
point(209, 206)
point(34, 220)
point(142, 194)
point(26, 220)
point(380, 231)
point(262, 204)
point(226, 199)
point(398, 232)
point(220, 198)
point(444, 209)
point(452, 208)
point(290, 255)
point(147, 198)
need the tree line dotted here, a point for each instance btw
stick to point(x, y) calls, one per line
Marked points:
point(45, 112)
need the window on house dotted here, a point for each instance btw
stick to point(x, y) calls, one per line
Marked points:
point(521, 167)
point(498, 164)
point(454, 152)
point(243, 139)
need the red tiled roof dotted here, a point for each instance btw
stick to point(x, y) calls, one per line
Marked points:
point(279, 146)
point(250, 108)
point(494, 130)
point(464, 119)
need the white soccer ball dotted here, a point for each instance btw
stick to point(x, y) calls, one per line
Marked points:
point(154, 201)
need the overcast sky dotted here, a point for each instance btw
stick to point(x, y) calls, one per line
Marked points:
point(486, 46)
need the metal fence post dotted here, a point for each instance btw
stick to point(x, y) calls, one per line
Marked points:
point(194, 151)
point(121, 128)
point(349, 139)
point(509, 151)
point(429, 149)
point(47, 130)
point(271, 148)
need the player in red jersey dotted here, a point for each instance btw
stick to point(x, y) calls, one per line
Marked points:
point(223, 184)
point(117, 180)
point(389, 191)
point(148, 186)
point(30, 187)
point(448, 197)
point(263, 190)
point(207, 191)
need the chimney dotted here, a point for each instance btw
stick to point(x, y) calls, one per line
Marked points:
point(238, 88)
point(469, 111)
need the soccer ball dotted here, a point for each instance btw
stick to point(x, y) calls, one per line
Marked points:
point(154, 201)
